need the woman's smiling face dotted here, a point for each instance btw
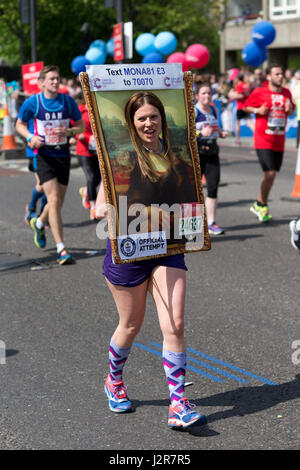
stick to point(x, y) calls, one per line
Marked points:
point(205, 95)
point(147, 122)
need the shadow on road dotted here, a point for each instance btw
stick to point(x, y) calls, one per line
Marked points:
point(235, 228)
point(266, 225)
point(243, 401)
point(11, 352)
point(48, 261)
point(84, 223)
point(242, 161)
point(249, 400)
point(77, 254)
point(239, 202)
point(228, 238)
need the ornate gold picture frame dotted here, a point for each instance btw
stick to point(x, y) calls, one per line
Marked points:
point(188, 230)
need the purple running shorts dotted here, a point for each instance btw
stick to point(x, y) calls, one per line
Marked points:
point(133, 274)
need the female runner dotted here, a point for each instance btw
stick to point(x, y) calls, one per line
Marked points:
point(164, 278)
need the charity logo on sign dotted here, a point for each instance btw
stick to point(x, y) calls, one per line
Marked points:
point(128, 247)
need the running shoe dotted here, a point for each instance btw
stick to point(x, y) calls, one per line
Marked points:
point(295, 235)
point(64, 257)
point(29, 214)
point(39, 234)
point(84, 198)
point(118, 400)
point(214, 229)
point(182, 415)
point(262, 212)
point(93, 214)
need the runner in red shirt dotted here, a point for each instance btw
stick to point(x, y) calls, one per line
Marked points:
point(87, 156)
point(271, 104)
point(242, 91)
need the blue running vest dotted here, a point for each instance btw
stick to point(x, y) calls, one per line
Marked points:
point(47, 119)
point(203, 119)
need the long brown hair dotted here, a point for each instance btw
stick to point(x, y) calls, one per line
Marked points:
point(137, 100)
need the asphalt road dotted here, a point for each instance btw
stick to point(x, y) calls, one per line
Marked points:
point(242, 318)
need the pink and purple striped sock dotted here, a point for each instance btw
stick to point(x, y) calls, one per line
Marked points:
point(117, 358)
point(175, 366)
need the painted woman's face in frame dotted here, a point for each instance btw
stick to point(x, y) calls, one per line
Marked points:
point(147, 122)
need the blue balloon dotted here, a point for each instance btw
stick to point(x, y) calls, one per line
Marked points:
point(110, 47)
point(144, 44)
point(253, 55)
point(98, 43)
point(153, 58)
point(96, 56)
point(78, 64)
point(264, 54)
point(263, 33)
point(165, 43)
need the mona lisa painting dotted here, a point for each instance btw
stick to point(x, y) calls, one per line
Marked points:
point(144, 128)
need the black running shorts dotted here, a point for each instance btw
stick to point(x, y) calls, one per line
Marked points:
point(49, 168)
point(241, 114)
point(30, 164)
point(269, 159)
point(210, 167)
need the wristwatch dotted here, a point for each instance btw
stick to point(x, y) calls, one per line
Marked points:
point(28, 139)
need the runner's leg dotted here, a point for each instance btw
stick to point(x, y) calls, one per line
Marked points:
point(167, 286)
point(266, 186)
point(130, 303)
point(55, 193)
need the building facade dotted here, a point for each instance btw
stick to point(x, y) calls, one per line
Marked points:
point(239, 16)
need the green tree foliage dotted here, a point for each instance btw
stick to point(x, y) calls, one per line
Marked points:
point(66, 27)
point(13, 36)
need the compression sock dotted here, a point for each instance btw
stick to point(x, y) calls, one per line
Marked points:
point(117, 358)
point(175, 366)
point(34, 199)
point(43, 202)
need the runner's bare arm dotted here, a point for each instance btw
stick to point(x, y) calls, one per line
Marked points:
point(101, 208)
point(78, 128)
point(35, 141)
point(262, 110)
point(289, 107)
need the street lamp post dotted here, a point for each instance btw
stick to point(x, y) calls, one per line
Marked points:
point(33, 30)
point(119, 8)
point(28, 16)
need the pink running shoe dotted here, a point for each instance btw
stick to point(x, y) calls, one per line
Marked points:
point(84, 198)
point(214, 229)
point(181, 415)
point(118, 401)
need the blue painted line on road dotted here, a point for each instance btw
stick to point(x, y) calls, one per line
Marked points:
point(213, 359)
point(207, 366)
point(237, 369)
point(194, 369)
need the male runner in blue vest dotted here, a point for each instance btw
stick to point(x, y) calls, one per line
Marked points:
point(52, 112)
